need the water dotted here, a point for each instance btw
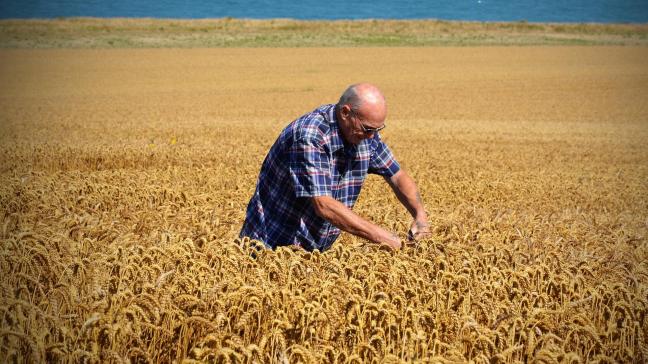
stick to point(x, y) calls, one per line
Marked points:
point(603, 11)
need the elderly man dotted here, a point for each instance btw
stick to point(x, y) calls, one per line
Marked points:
point(312, 176)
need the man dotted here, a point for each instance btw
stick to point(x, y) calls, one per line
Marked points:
point(312, 176)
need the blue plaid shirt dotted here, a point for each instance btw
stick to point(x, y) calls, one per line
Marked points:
point(310, 158)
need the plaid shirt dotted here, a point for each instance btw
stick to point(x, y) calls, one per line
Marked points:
point(310, 158)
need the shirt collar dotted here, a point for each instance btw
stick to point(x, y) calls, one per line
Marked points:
point(337, 142)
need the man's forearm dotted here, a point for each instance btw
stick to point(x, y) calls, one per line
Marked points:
point(343, 218)
point(407, 193)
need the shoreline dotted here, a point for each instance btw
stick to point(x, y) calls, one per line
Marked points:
point(87, 32)
point(231, 18)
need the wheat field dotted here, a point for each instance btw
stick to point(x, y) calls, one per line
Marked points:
point(125, 175)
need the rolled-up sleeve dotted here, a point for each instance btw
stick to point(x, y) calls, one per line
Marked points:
point(309, 167)
point(382, 160)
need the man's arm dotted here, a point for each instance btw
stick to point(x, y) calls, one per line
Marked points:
point(342, 217)
point(407, 193)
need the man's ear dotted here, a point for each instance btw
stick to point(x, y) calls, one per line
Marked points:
point(345, 110)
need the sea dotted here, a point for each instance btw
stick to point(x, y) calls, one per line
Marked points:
point(570, 11)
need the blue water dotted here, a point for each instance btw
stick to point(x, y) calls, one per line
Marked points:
point(603, 11)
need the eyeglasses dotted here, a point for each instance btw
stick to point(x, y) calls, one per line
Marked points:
point(365, 129)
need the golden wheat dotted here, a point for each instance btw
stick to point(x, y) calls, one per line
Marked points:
point(122, 202)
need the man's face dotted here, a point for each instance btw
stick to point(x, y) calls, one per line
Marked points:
point(362, 124)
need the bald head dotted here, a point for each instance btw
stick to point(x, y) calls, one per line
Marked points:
point(367, 99)
point(361, 108)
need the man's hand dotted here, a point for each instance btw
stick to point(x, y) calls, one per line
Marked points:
point(420, 229)
point(391, 240)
